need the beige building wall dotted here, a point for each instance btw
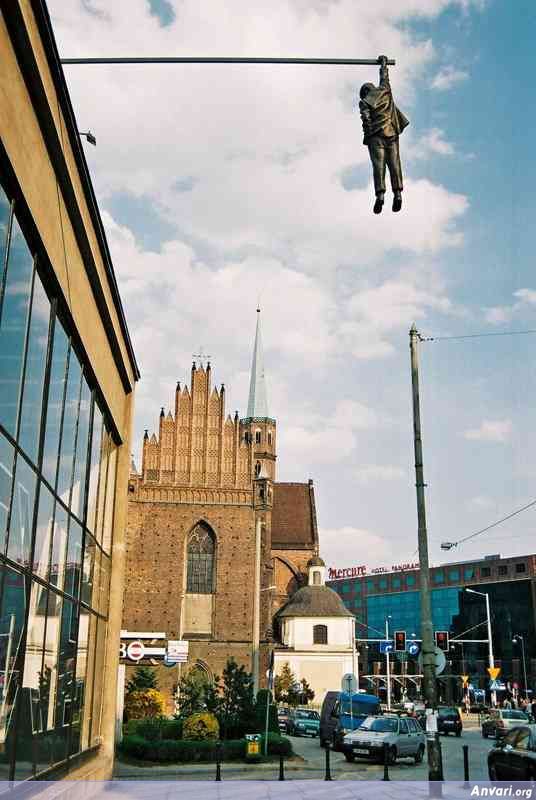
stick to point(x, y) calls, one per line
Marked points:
point(58, 205)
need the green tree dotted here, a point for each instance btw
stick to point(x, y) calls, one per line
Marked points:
point(235, 709)
point(197, 693)
point(260, 713)
point(143, 678)
point(306, 693)
point(286, 686)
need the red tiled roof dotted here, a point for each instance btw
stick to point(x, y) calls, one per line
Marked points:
point(294, 516)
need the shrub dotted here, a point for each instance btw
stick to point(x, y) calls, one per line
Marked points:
point(172, 751)
point(201, 727)
point(144, 703)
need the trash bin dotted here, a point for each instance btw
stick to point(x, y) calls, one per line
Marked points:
point(253, 746)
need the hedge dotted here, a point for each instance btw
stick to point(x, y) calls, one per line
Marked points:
point(171, 750)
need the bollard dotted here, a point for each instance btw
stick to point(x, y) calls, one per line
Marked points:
point(218, 761)
point(281, 767)
point(465, 766)
point(386, 762)
point(327, 776)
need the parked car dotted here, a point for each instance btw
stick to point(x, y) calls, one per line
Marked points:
point(283, 718)
point(501, 720)
point(403, 737)
point(335, 717)
point(304, 722)
point(514, 759)
point(449, 720)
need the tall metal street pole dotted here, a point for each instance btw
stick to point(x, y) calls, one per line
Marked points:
point(490, 640)
point(388, 665)
point(435, 767)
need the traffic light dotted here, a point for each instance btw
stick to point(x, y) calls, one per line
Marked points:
point(442, 640)
point(400, 640)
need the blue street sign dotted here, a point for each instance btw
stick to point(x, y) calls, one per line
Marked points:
point(386, 647)
point(414, 648)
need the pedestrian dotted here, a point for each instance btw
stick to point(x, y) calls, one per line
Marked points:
point(533, 709)
point(507, 703)
point(467, 703)
point(382, 125)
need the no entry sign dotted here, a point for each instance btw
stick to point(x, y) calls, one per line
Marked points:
point(135, 651)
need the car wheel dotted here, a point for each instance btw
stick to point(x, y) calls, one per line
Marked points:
point(349, 757)
point(419, 755)
point(492, 771)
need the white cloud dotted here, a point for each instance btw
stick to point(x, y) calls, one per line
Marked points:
point(491, 431)
point(447, 77)
point(350, 546)
point(480, 503)
point(499, 314)
point(372, 473)
point(432, 142)
point(526, 296)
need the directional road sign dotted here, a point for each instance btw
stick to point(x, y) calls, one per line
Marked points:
point(386, 647)
point(414, 648)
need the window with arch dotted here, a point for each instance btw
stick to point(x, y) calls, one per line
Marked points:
point(320, 634)
point(270, 438)
point(257, 469)
point(200, 560)
point(258, 437)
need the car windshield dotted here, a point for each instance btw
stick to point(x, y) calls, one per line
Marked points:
point(307, 715)
point(514, 715)
point(447, 712)
point(380, 725)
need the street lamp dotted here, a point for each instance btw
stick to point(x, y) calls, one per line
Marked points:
point(388, 665)
point(490, 641)
point(515, 639)
point(89, 137)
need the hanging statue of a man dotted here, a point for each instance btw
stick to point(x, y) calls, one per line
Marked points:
point(382, 125)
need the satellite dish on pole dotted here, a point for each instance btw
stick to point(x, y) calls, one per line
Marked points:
point(349, 683)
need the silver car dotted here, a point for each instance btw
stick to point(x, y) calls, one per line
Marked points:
point(403, 737)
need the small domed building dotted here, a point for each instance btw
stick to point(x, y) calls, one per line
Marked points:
point(317, 634)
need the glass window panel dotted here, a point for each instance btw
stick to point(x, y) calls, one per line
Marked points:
point(56, 390)
point(110, 500)
point(80, 690)
point(12, 616)
point(59, 547)
point(66, 663)
point(43, 532)
point(103, 469)
point(7, 456)
point(4, 226)
point(88, 689)
point(98, 682)
point(80, 465)
point(51, 658)
point(68, 430)
point(96, 444)
point(74, 559)
point(87, 595)
point(13, 324)
point(22, 508)
point(34, 375)
point(32, 683)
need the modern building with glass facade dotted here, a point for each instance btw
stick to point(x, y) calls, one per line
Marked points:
point(394, 596)
point(67, 374)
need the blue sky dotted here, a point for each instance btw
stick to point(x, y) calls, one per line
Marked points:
point(222, 185)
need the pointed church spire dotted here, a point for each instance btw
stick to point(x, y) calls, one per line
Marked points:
point(257, 402)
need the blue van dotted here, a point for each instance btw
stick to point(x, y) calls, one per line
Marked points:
point(343, 712)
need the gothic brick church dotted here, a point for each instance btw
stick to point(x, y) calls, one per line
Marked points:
point(215, 545)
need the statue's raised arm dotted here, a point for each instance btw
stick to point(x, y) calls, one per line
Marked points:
point(383, 123)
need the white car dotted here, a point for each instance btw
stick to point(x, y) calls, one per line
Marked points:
point(395, 737)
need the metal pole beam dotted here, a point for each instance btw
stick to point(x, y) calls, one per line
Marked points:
point(351, 62)
point(435, 767)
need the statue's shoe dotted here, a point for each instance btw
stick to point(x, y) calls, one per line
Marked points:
point(378, 205)
point(397, 201)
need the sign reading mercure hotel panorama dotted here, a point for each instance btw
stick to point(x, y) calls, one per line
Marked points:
point(357, 572)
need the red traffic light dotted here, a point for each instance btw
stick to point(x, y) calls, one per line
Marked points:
point(442, 640)
point(400, 640)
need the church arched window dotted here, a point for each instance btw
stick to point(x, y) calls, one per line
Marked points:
point(200, 560)
point(320, 634)
point(270, 438)
point(258, 437)
point(257, 469)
